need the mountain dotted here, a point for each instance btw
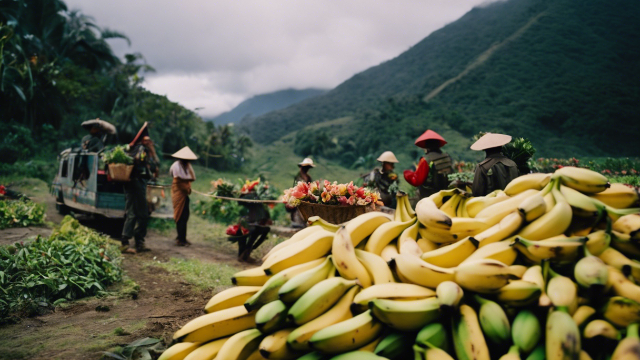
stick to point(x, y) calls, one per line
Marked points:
point(561, 73)
point(262, 104)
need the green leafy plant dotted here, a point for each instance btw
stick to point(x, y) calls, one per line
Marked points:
point(117, 156)
point(73, 262)
point(20, 213)
point(520, 150)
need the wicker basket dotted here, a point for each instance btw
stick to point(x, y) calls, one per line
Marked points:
point(334, 214)
point(120, 172)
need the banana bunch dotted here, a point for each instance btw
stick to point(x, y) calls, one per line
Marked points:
point(529, 273)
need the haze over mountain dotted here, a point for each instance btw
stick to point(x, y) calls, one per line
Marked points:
point(264, 103)
point(564, 74)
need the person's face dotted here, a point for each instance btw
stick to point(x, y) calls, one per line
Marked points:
point(146, 142)
point(387, 166)
point(305, 169)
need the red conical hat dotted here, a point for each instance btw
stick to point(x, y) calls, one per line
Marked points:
point(429, 135)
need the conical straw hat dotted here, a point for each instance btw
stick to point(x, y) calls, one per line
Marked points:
point(429, 135)
point(307, 162)
point(387, 156)
point(185, 154)
point(490, 140)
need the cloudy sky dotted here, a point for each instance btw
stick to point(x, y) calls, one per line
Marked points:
point(210, 55)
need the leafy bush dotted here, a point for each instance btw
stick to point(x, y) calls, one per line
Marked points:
point(73, 262)
point(222, 211)
point(117, 156)
point(20, 213)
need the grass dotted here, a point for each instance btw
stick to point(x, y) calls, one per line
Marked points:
point(205, 276)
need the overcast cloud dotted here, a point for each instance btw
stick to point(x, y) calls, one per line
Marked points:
point(214, 54)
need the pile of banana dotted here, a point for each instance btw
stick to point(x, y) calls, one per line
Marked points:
point(544, 269)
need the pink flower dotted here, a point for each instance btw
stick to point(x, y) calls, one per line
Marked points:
point(624, 172)
point(327, 185)
point(343, 200)
point(300, 191)
point(351, 189)
point(352, 200)
point(326, 197)
point(360, 193)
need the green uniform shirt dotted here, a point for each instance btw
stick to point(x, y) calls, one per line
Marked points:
point(493, 173)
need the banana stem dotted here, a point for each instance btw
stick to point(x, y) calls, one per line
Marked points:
point(632, 331)
point(547, 189)
point(514, 350)
point(480, 300)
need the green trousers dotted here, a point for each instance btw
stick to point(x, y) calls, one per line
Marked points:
point(136, 212)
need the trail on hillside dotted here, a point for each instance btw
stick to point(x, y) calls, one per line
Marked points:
point(486, 55)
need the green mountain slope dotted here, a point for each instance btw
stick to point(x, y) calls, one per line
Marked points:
point(561, 73)
point(262, 104)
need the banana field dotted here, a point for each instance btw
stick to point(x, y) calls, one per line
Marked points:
point(545, 269)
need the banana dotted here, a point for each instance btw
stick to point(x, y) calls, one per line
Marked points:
point(437, 236)
point(549, 249)
point(451, 205)
point(429, 215)
point(318, 299)
point(345, 260)
point(451, 255)
point(550, 201)
point(207, 351)
point(275, 346)
point(496, 212)
point(500, 231)
point(493, 321)
point(582, 314)
point(538, 353)
point(534, 275)
point(410, 315)
point(318, 221)
point(533, 207)
point(433, 353)
point(299, 338)
point(409, 247)
point(426, 245)
point(623, 286)
point(409, 236)
point(580, 202)
point(395, 345)
point(179, 351)
point(216, 325)
point(597, 242)
point(621, 311)
point(629, 347)
point(364, 225)
point(401, 214)
point(384, 234)
point(417, 271)
point(616, 259)
point(377, 268)
point(370, 347)
point(250, 277)
point(272, 317)
point(468, 340)
point(313, 247)
point(407, 206)
point(391, 291)
point(449, 295)
point(390, 252)
point(562, 337)
point(585, 355)
point(461, 210)
point(535, 181)
point(443, 196)
point(313, 356)
point(513, 354)
point(433, 334)
point(230, 297)
point(300, 235)
point(293, 289)
point(358, 355)
point(618, 196)
point(561, 290)
point(482, 276)
point(554, 222)
point(622, 244)
point(519, 293)
point(628, 224)
point(241, 345)
point(467, 226)
point(475, 205)
point(583, 180)
point(601, 328)
point(516, 270)
point(526, 331)
point(501, 251)
point(269, 291)
point(347, 335)
point(591, 273)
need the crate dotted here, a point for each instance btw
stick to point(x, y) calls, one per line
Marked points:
point(120, 172)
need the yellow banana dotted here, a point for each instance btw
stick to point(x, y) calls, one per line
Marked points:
point(582, 314)
point(623, 286)
point(519, 293)
point(241, 345)
point(410, 247)
point(554, 222)
point(345, 260)
point(629, 347)
point(318, 221)
point(409, 315)
point(400, 213)
point(300, 235)
point(475, 205)
point(562, 337)
point(467, 226)
point(390, 291)
point(601, 328)
point(275, 346)
point(417, 271)
point(500, 231)
point(533, 207)
point(550, 249)
point(207, 351)
point(426, 245)
point(468, 340)
point(562, 291)
point(451, 205)
point(621, 311)
point(597, 242)
point(430, 216)
point(550, 201)
point(320, 298)
point(449, 295)
point(516, 270)
point(179, 351)
point(501, 251)
point(250, 277)
point(313, 247)
point(407, 206)
point(365, 224)
point(583, 180)
point(437, 236)
point(376, 267)
point(451, 255)
point(616, 259)
point(592, 273)
point(384, 234)
point(409, 236)
point(389, 252)
point(230, 297)
point(618, 196)
point(535, 181)
point(461, 210)
point(534, 275)
point(483, 276)
point(496, 212)
point(293, 289)
point(216, 325)
point(442, 196)
point(347, 335)
point(628, 224)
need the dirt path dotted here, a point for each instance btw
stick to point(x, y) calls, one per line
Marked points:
point(163, 303)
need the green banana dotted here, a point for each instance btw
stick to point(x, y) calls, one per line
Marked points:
point(271, 317)
point(394, 346)
point(293, 289)
point(434, 334)
point(318, 299)
point(526, 331)
point(562, 337)
point(494, 321)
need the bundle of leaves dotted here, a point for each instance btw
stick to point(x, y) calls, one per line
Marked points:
point(520, 150)
point(20, 213)
point(72, 263)
point(117, 156)
point(221, 211)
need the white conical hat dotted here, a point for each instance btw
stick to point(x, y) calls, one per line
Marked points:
point(387, 156)
point(490, 140)
point(307, 162)
point(185, 154)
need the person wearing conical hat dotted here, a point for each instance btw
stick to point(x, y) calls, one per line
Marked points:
point(432, 173)
point(297, 220)
point(182, 173)
point(145, 167)
point(496, 170)
point(384, 179)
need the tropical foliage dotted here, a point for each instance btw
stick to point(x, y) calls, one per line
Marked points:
point(20, 213)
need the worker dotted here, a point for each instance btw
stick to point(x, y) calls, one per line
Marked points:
point(257, 219)
point(92, 141)
point(432, 172)
point(496, 170)
point(145, 168)
point(182, 173)
point(384, 179)
point(297, 220)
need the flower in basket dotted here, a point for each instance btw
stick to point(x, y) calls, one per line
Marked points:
point(248, 186)
point(331, 194)
point(237, 230)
